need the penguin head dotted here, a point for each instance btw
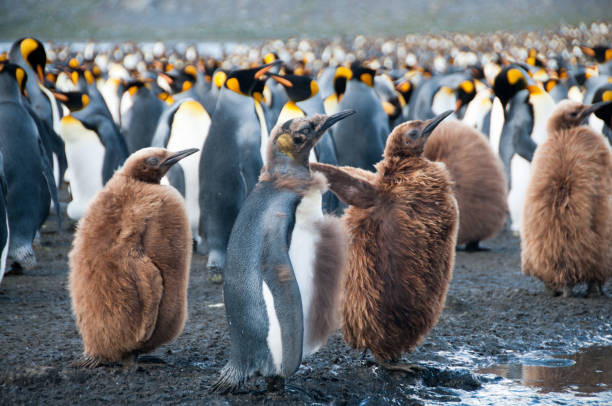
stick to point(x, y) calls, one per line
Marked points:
point(246, 81)
point(465, 93)
point(151, 164)
point(569, 114)
point(33, 52)
point(363, 74)
point(293, 139)
point(405, 87)
point(16, 72)
point(508, 82)
point(298, 87)
point(604, 94)
point(75, 101)
point(341, 76)
point(601, 53)
point(408, 139)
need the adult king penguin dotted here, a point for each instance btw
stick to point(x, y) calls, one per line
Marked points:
point(284, 264)
point(230, 161)
point(129, 265)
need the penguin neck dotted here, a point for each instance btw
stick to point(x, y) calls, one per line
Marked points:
point(9, 90)
point(285, 173)
point(396, 166)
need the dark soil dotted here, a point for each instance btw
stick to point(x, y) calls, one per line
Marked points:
point(493, 313)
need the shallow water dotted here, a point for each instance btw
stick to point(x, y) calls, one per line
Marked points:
point(547, 378)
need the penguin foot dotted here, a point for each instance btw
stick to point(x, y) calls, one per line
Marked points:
point(594, 290)
point(402, 367)
point(567, 291)
point(230, 380)
point(275, 384)
point(215, 275)
point(474, 246)
point(86, 361)
point(14, 270)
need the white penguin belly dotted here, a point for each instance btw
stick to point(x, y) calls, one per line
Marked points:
point(497, 125)
point(520, 170)
point(477, 109)
point(543, 106)
point(443, 100)
point(302, 253)
point(274, 338)
point(189, 130)
point(263, 128)
point(85, 156)
point(5, 250)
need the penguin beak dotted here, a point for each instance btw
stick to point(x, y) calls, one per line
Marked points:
point(593, 108)
point(281, 80)
point(433, 123)
point(261, 73)
point(333, 119)
point(177, 156)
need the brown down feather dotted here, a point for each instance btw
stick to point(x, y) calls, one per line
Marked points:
point(478, 175)
point(566, 236)
point(401, 249)
point(129, 268)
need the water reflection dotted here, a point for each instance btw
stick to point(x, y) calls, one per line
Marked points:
point(587, 372)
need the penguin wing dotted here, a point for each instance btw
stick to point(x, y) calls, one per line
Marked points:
point(47, 172)
point(353, 186)
point(149, 285)
point(164, 125)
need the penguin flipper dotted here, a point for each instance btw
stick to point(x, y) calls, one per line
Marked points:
point(47, 173)
point(352, 185)
point(147, 278)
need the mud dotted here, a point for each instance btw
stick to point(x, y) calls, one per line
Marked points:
point(493, 316)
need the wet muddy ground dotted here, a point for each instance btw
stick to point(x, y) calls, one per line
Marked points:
point(496, 323)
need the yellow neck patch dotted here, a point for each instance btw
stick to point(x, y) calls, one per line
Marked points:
point(367, 79)
point(404, 87)
point(75, 77)
point(285, 144)
point(608, 54)
point(85, 100)
point(607, 95)
point(219, 79)
point(258, 97)
point(19, 75)
point(314, 88)
point(73, 63)
point(534, 89)
point(550, 85)
point(344, 72)
point(89, 77)
point(191, 70)
point(514, 75)
point(27, 46)
point(389, 108)
point(269, 58)
point(187, 85)
point(132, 90)
point(467, 86)
point(233, 84)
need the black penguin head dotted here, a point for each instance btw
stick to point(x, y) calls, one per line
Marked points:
point(601, 53)
point(293, 139)
point(509, 82)
point(151, 164)
point(604, 94)
point(342, 75)
point(33, 52)
point(298, 87)
point(363, 74)
point(569, 114)
point(16, 72)
point(246, 81)
point(75, 101)
point(465, 93)
point(405, 88)
point(409, 138)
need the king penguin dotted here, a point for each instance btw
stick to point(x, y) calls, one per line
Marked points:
point(140, 111)
point(129, 265)
point(284, 264)
point(370, 122)
point(29, 175)
point(230, 160)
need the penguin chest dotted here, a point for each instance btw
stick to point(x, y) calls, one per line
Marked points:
point(263, 127)
point(543, 106)
point(497, 125)
point(443, 100)
point(520, 170)
point(189, 130)
point(85, 156)
point(302, 253)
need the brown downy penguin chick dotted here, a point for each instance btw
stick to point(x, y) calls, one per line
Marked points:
point(479, 180)
point(129, 265)
point(566, 236)
point(402, 229)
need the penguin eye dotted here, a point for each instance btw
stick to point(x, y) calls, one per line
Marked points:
point(413, 133)
point(153, 161)
point(298, 139)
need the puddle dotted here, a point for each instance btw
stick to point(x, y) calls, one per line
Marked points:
point(538, 378)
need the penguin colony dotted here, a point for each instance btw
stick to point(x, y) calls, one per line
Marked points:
point(514, 152)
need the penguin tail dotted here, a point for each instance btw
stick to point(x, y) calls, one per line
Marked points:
point(231, 378)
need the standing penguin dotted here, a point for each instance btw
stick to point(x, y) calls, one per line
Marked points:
point(29, 175)
point(478, 180)
point(230, 161)
point(129, 265)
point(140, 111)
point(402, 230)
point(360, 140)
point(566, 236)
point(284, 266)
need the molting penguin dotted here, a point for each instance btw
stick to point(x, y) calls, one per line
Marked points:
point(478, 180)
point(370, 122)
point(230, 161)
point(28, 171)
point(285, 260)
point(402, 230)
point(129, 265)
point(566, 234)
